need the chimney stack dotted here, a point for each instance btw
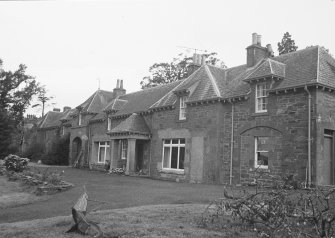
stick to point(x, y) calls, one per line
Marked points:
point(270, 50)
point(119, 90)
point(254, 38)
point(56, 110)
point(256, 52)
point(66, 108)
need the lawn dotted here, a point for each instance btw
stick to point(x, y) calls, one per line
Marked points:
point(145, 221)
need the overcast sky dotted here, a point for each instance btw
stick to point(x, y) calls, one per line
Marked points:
point(69, 45)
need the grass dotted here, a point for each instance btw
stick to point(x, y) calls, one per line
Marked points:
point(12, 194)
point(145, 221)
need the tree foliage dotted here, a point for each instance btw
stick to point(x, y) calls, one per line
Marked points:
point(177, 69)
point(287, 44)
point(43, 99)
point(16, 92)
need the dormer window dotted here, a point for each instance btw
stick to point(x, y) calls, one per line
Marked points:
point(261, 98)
point(182, 108)
point(109, 124)
point(79, 119)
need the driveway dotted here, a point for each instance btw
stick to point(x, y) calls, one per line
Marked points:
point(112, 191)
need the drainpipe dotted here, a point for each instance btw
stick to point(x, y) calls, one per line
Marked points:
point(309, 179)
point(231, 143)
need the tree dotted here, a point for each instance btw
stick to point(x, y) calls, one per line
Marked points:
point(43, 99)
point(163, 73)
point(287, 44)
point(16, 91)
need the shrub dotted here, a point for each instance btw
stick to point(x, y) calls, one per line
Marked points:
point(59, 153)
point(34, 151)
point(15, 163)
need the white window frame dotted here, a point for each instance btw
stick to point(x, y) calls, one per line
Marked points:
point(79, 119)
point(256, 154)
point(170, 145)
point(102, 144)
point(124, 149)
point(182, 108)
point(261, 87)
point(109, 124)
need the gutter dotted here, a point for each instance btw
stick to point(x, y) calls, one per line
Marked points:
point(231, 144)
point(309, 174)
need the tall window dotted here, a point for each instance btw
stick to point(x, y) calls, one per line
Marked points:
point(261, 98)
point(182, 108)
point(109, 124)
point(262, 152)
point(79, 119)
point(103, 151)
point(173, 154)
point(124, 146)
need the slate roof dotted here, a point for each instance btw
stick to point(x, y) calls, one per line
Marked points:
point(304, 67)
point(51, 119)
point(143, 100)
point(97, 102)
point(268, 67)
point(134, 124)
point(67, 115)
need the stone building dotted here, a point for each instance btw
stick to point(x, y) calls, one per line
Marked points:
point(274, 113)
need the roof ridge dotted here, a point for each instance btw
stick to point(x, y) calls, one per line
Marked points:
point(95, 94)
point(256, 67)
point(165, 95)
point(270, 66)
point(155, 87)
point(216, 89)
point(295, 52)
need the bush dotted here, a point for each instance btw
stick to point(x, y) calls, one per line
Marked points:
point(15, 163)
point(34, 151)
point(59, 153)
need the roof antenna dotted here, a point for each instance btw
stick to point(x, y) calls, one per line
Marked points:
point(189, 48)
point(98, 83)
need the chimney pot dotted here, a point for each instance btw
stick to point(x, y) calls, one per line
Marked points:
point(118, 83)
point(254, 38)
point(121, 83)
point(270, 50)
point(259, 40)
point(203, 59)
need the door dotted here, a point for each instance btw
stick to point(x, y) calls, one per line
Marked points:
point(139, 155)
point(328, 171)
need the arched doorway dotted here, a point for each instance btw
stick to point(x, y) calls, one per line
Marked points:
point(76, 148)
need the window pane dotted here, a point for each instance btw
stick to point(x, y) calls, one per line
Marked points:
point(182, 141)
point(263, 158)
point(166, 159)
point(174, 158)
point(175, 141)
point(102, 154)
point(181, 157)
point(166, 141)
point(262, 143)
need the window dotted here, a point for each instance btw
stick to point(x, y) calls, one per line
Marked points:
point(124, 145)
point(261, 152)
point(103, 151)
point(173, 154)
point(79, 119)
point(109, 124)
point(261, 98)
point(182, 110)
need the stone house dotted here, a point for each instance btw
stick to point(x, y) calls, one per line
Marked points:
point(273, 113)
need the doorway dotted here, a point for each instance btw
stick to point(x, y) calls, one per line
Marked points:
point(139, 155)
point(76, 148)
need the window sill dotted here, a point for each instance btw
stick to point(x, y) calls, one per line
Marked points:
point(263, 169)
point(258, 114)
point(172, 171)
